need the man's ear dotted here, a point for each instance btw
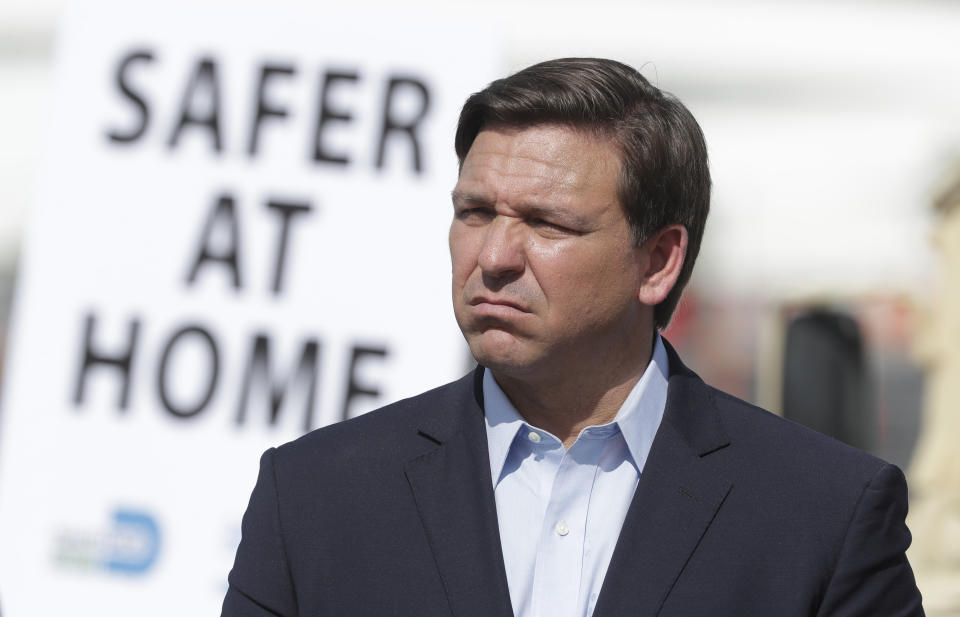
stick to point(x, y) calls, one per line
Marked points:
point(662, 255)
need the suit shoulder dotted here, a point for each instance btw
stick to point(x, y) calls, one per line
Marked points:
point(386, 430)
point(789, 447)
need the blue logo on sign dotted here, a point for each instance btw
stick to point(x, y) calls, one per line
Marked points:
point(130, 546)
point(136, 542)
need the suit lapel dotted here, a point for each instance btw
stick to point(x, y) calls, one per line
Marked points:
point(453, 491)
point(677, 497)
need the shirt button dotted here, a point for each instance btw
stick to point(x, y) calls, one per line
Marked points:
point(533, 436)
point(562, 529)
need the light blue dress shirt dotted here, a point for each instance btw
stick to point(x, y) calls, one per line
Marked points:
point(560, 511)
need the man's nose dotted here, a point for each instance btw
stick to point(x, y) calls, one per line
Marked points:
point(502, 252)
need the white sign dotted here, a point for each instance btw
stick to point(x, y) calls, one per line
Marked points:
point(240, 236)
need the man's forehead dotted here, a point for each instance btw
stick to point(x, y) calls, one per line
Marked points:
point(544, 141)
point(550, 157)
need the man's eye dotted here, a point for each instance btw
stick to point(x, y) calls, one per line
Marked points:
point(550, 226)
point(474, 214)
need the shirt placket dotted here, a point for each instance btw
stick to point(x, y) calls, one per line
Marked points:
point(557, 578)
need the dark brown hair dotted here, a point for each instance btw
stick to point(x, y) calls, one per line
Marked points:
point(664, 177)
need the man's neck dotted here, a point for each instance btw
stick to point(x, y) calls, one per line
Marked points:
point(566, 402)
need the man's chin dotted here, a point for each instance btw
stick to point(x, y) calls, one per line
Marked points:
point(502, 352)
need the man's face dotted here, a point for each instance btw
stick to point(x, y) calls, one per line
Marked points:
point(545, 270)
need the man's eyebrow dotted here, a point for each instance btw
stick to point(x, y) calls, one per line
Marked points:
point(473, 199)
point(558, 215)
point(531, 210)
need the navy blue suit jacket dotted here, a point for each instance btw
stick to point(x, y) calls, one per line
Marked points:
point(737, 512)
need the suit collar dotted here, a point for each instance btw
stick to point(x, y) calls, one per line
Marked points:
point(453, 491)
point(463, 407)
point(676, 500)
point(691, 409)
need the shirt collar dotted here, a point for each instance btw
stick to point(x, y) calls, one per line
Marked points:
point(503, 423)
point(638, 418)
point(640, 415)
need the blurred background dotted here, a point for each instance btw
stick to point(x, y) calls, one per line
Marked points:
point(828, 284)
